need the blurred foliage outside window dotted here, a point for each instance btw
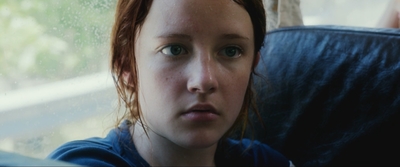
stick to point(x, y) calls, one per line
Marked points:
point(43, 41)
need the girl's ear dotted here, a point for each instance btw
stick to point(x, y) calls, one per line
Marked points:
point(126, 76)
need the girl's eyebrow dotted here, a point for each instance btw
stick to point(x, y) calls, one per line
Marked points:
point(176, 35)
point(188, 37)
point(234, 36)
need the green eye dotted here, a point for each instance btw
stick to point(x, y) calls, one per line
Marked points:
point(172, 50)
point(231, 51)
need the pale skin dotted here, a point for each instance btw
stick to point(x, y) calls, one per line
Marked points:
point(391, 16)
point(194, 60)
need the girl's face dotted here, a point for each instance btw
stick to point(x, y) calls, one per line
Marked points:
point(194, 60)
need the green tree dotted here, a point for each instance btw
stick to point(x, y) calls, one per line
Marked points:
point(48, 40)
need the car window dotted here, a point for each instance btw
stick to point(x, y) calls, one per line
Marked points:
point(54, 79)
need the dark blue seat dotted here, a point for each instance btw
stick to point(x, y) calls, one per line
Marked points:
point(332, 95)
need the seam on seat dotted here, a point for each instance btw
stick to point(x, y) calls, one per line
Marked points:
point(344, 29)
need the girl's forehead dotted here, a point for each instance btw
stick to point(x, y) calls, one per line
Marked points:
point(173, 8)
point(196, 16)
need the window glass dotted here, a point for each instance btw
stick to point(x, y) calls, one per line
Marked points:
point(365, 13)
point(47, 41)
point(54, 79)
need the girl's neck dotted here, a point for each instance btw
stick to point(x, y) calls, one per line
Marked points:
point(159, 151)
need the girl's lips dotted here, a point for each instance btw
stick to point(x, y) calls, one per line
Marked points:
point(202, 108)
point(201, 113)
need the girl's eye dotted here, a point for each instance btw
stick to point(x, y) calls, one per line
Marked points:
point(231, 51)
point(173, 50)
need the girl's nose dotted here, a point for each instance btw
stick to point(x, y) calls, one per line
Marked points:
point(202, 75)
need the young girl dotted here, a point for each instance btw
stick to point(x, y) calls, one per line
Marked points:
point(183, 70)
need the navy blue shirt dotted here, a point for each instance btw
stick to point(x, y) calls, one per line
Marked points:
point(117, 149)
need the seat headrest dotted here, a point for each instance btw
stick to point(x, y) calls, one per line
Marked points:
point(332, 94)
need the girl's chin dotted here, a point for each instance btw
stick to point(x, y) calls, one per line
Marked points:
point(198, 142)
point(202, 145)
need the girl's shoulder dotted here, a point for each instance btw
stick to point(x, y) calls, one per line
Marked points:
point(116, 149)
point(89, 152)
point(248, 152)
